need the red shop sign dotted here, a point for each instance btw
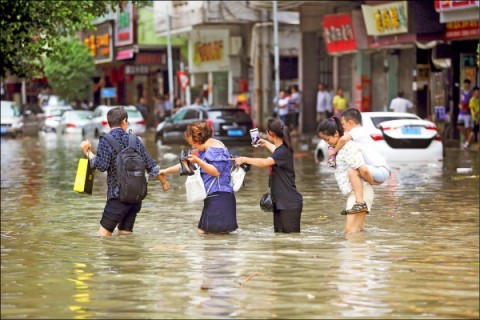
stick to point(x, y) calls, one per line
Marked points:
point(462, 29)
point(450, 5)
point(338, 33)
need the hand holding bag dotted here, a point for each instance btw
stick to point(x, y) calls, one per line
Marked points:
point(195, 188)
point(84, 177)
point(237, 175)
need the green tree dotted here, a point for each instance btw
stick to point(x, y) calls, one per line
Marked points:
point(30, 30)
point(70, 71)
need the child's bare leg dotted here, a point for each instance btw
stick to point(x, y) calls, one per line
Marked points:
point(356, 181)
point(367, 175)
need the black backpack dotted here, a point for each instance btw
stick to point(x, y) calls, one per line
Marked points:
point(130, 170)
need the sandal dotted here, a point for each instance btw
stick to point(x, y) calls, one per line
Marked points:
point(358, 207)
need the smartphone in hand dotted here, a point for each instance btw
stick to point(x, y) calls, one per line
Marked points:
point(255, 136)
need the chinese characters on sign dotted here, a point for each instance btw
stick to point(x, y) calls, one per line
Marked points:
point(338, 33)
point(205, 52)
point(386, 19)
point(124, 25)
point(208, 51)
point(100, 43)
point(461, 29)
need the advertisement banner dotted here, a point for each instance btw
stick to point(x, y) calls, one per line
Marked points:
point(457, 11)
point(386, 19)
point(100, 43)
point(338, 33)
point(124, 25)
point(208, 50)
point(462, 29)
point(451, 5)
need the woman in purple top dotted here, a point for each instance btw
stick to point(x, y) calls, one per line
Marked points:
point(219, 214)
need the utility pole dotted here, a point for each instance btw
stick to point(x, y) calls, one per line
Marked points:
point(276, 66)
point(170, 63)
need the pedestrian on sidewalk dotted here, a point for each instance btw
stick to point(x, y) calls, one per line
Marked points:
point(400, 104)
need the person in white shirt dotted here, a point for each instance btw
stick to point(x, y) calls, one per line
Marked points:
point(322, 103)
point(375, 171)
point(283, 107)
point(400, 104)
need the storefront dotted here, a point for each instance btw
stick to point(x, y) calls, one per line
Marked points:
point(345, 38)
point(392, 50)
point(459, 50)
point(209, 66)
point(100, 44)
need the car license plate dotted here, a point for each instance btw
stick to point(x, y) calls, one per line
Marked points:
point(411, 130)
point(235, 132)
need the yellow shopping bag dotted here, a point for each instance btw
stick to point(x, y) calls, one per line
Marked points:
point(84, 178)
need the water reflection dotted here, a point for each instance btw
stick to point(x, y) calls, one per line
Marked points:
point(419, 256)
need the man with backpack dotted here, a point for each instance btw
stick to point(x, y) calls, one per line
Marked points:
point(125, 159)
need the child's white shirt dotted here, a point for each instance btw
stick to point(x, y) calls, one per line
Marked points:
point(349, 156)
point(366, 144)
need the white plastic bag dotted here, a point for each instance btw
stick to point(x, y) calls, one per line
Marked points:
point(195, 188)
point(237, 175)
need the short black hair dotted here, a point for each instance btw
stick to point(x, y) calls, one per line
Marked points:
point(352, 114)
point(115, 116)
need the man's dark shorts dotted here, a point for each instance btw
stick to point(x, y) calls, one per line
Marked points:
point(117, 212)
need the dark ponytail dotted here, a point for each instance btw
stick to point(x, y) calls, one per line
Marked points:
point(280, 130)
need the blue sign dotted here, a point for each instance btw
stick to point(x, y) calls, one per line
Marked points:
point(108, 92)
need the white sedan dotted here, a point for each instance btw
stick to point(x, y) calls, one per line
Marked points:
point(76, 121)
point(399, 137)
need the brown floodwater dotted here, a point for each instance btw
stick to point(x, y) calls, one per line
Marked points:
point(418, 257)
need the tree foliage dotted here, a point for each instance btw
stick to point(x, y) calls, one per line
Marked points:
point(70, 71)
point(33, 29)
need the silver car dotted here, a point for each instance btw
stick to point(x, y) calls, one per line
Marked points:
point(53, 114)
point(77, 121)
point(136, 123)
point(15, 123)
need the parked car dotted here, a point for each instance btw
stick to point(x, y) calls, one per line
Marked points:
point(136, 122)
point(56, 101)
point(228, 124)
point(15, 123)
point(53, 114)
point(77, 121)
point(399, 137)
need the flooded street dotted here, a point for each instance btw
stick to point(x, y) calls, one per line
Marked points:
point(419, 256)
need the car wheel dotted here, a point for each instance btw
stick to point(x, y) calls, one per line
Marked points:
point(320, 156)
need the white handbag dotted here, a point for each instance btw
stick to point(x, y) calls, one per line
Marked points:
point(195, 188)
point(237, 175)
